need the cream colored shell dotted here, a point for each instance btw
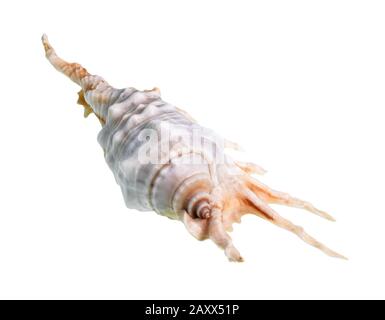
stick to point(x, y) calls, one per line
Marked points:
point(190, 182)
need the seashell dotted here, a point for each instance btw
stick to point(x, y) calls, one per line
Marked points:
point(164, 161)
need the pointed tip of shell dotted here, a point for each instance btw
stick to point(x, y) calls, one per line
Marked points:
point(240, 259)
point(47, 47)
point(236, 260)
point(339, 256)
point(325, 215)
point(233, 254)
point(44, 39)
point(332, 253)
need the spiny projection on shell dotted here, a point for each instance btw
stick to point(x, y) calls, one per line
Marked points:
point(206, 195)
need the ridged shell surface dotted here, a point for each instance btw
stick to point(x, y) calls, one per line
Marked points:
point(153, 185)
point(164, 161)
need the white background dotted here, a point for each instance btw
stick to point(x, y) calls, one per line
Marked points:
point(299, 84)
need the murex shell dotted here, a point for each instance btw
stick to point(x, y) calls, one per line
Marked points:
point(164, 161)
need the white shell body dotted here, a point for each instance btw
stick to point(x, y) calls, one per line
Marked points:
point(159, 185)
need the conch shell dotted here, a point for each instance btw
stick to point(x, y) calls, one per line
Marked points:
point(166, 162)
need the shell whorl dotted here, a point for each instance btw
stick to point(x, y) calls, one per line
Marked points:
point(199, 206)
point(193, 196)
